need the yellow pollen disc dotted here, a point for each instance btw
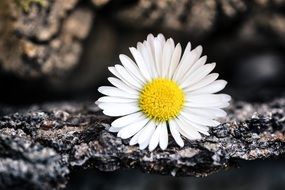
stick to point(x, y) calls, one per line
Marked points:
point(161, 99)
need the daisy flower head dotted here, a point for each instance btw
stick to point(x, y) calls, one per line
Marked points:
point(163, 90)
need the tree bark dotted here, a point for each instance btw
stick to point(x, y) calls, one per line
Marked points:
point(42, 37)
point(40, 145)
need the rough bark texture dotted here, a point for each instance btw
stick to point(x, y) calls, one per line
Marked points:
point(39, 146)
point(248, 19)
point(42, 37)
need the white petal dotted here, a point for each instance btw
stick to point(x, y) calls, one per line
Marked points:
point(200, 128)
point(114, 130)
point(172, 45)
point(140, 61)
point(196, 53)
point(184, 65)
point(112, 99)
point(219, 112)
point(131, 67)
point(163, 137)
point(132, 129)
point(203, 105)
point(118, 109)
point(214, 87)
point(199, 119)
point(134, 139)
point(207, 112)
point(155, 138)
point(144, 145)
point(175, 133)
point(200, 61)
point(166, 57)
point(150, 42)
point(147, 132)
point(178, 124)
point(186, 51)
point(197, 64)
point(197, 75)
point(158, 56)
point(151, 58)
point(127, 78)
point(115, 72)
point(146, 136)
point(161, 38)
point(174, 60)
point(150, 37)
point(199, 50)
point(113, 91)
point(190, 130)
point(126, 120)
point(123, 86)
point(207, 98)
point(186, 130)
point(202, 83)
point(145, 51)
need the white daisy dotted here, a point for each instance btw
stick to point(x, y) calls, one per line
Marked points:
point(161, 91)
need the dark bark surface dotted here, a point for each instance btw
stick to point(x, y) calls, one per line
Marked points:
point(40, 145)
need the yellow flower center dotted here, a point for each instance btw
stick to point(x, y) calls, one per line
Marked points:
point(161, 99)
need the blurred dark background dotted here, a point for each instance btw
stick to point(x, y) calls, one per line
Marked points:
point(245, 38)
point(261, 175)
point(60, 50)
